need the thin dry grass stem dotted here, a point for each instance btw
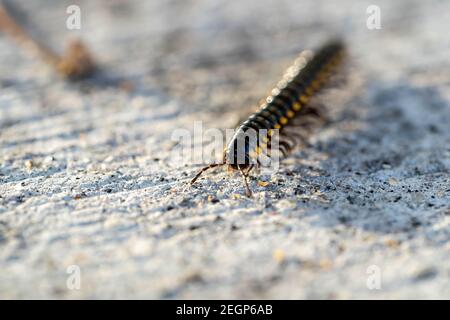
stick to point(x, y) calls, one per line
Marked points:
point(76, 62)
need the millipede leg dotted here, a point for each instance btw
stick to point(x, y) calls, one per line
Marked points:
point(248, 192)
point(204, 169)
point(294, 138)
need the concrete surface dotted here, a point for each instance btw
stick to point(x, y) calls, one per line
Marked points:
point(88, 175)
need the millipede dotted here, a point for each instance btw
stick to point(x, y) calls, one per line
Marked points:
point(289, 101)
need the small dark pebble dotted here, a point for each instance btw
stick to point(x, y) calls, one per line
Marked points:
point(343, 219)
point(415, 223)
point(214, 200)
point(425, 274)
point(80, 195)
point(433, 129)
point(351, 200)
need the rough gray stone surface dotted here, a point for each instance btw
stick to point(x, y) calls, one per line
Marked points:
point(88, 177)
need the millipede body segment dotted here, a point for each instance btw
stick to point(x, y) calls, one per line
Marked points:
point(288, 100)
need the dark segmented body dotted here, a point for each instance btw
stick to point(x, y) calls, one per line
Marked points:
point(288, 100)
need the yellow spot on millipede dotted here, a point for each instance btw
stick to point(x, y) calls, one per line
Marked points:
point(290, 114)
point(315, 84)
point(304, 99)
point(277, 126)
point(263, 145)
point(270, 132)
point(329, 66)
point(283, 120)
point(322, 73)
point(297, 106)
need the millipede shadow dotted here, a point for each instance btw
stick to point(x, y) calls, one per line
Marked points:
point(375, 177)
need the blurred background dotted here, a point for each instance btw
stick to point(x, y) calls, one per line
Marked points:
point(85, 178)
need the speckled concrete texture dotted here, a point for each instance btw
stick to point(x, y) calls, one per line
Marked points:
point(88, 175)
